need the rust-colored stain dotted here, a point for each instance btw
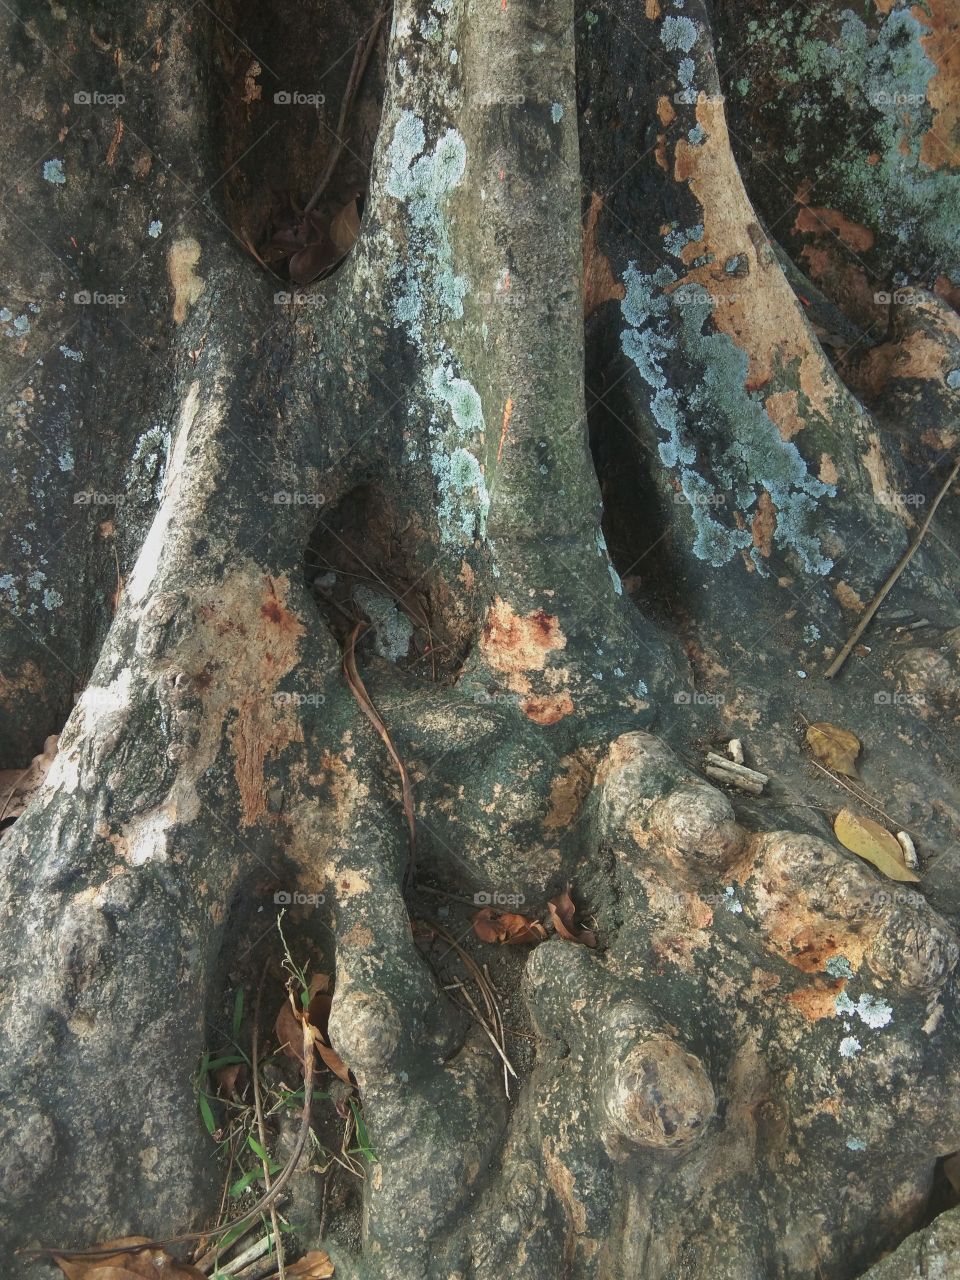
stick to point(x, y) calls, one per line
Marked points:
point(652, 9)
point(660, 152)
point(825, 221)
point(940, 148)
point(568, 791)
point(257, 643)
point(783, 408)
point(549, 708)
point(505, 426)
point(926, 353)
point(764, 524)
point(600, 285)
point(757, 310)
point(666, 113)
point(848, 597)
point(819, 1000)
point(513, 643)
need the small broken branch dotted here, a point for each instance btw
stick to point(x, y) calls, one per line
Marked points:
point(722, 769)
point(884, 591)
point(360, 59)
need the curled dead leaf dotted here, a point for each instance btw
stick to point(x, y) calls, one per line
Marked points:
point(872, 842)
point(145, 1264)
point(834, 747)
point(345, 226)
point(289, 1027)
point(315, 1265)
point(562, 914)
point(508, 927)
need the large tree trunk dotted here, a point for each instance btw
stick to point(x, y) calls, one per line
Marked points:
point(591, 549)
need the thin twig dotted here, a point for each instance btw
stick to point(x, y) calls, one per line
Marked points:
point(261, 1124)
point(882, 594)
point(268, 1198)
point(360, 59)
point(359, 691)
point(859, 795)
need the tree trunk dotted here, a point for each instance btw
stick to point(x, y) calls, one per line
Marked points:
point(636, 384)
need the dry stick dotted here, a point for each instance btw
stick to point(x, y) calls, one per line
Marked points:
point(882, 594)
point(360, 60)
point(359, 691)
point(286, 1173)
point(261, 1125)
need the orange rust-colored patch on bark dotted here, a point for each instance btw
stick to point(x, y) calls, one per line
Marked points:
point(918, 355)
point(820, 221)
point(848, 597)
point(660, 152)
point(548, 709)
point(764, 524)
point(819, 1000)
point(568, 791)
point(512, 643)
point(652, 9)
point(257, 643)
point(783, 408)
point(600, 285)
point(940, 148)
point(666, 112)
point(757, 310)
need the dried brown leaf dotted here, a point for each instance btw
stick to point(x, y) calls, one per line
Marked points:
point(834, 747)
point(562, 912)
point(315, 1265)
point(289, 1027)
point(225, 1079)
point(869, 840)
point(508, 927)
point(345, 226)
point(146, 1264)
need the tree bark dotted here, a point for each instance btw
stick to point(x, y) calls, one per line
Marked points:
point(619, 411)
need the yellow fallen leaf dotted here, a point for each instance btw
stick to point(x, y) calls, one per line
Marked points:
point(834, 747)
point(869, 840)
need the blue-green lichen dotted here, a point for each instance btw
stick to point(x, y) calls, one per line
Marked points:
point(429, 294)
point(678, 33)
point(738, 441)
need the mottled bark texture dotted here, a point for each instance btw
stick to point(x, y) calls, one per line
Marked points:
point(674, 279)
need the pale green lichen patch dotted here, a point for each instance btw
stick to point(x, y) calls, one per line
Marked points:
point(430, 294)
point(871, 73)
point(392, 629)
point(736, 439)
